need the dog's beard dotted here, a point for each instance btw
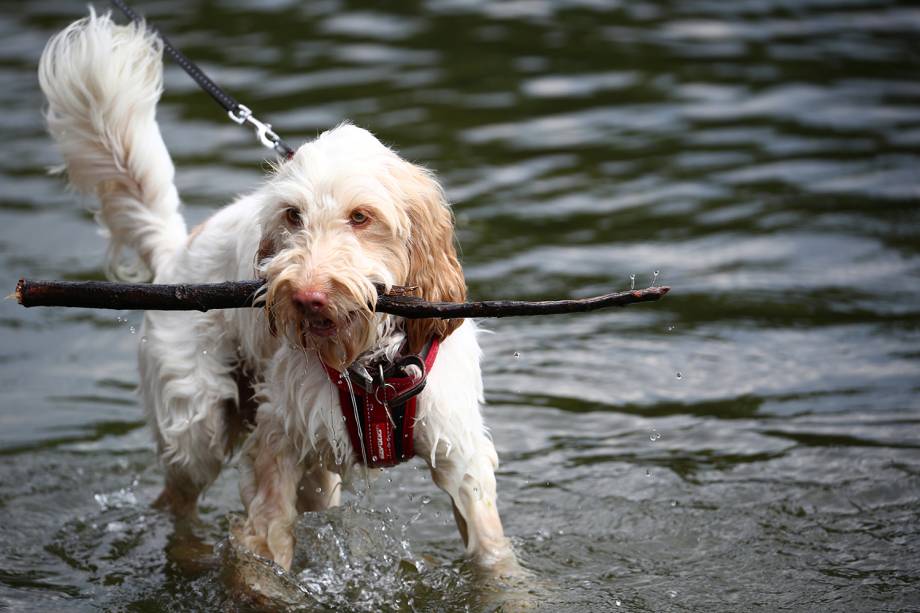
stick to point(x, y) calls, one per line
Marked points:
point(344, 330)
point(351, 339)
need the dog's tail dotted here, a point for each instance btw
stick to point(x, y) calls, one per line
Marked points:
point(102, 82)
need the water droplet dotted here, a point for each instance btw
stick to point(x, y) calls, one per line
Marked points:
point(319, 490)
point(618, 603)
point(373, 458)
point(671, 328)
point(632, 280)
point(133, 330)
point(426, 499)
point(654, 435)
point(648, 473)
point(674, 503)
point(205, 352)
point(143, 339)
point(679, 376)
point(655, 278)
point(517, 355)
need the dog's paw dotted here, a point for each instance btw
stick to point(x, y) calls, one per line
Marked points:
point(243, 535)
point(253, 579)
point(257, 545)
point(508, 587)
point(276, 545)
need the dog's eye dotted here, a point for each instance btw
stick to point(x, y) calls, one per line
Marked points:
point(292, 216)
point(358, 218)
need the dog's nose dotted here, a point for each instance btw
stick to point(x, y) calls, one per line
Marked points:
point(311, 300)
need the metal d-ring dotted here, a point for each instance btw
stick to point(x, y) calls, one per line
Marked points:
point(384, 387)
point(384, 403)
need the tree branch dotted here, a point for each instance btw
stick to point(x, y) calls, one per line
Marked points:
point(240, 294)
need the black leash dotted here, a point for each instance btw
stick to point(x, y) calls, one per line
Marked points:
point(239, 113)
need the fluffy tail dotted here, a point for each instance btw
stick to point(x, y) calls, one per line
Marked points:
point(102, 82)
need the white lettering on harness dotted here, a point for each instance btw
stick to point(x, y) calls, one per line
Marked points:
point(382, 451)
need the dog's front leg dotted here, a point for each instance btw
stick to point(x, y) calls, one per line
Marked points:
point(271, 473)
point(468, 476)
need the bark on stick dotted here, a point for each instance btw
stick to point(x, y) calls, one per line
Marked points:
point(241, 294)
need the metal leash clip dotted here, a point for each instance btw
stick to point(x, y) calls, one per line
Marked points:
point(239, 113)
point(242, 114)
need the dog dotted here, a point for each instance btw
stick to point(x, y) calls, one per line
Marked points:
point(345, 216)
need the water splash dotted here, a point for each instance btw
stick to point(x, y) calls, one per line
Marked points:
point(679, 375)
point(360, 559)
point(655, 278)
point(632, 281)
point(119, 499)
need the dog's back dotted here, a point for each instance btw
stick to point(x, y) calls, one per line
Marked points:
point(102, 82)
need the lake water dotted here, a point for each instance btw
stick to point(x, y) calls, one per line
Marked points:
point(752, 442)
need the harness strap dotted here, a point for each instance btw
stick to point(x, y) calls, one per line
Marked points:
point(239, 113)
point(386, 408)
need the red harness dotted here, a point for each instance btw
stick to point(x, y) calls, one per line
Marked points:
point(385, 405)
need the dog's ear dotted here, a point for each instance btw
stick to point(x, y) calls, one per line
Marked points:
point(433, 265)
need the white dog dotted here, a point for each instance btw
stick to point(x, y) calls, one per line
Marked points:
point(344, 214)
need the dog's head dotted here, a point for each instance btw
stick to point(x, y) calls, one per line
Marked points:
point(345, 213)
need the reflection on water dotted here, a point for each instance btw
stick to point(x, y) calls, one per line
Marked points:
point(749, 442)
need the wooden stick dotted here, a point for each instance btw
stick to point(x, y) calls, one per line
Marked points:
point(240, 294)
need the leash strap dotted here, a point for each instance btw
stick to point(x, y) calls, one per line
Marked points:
point(237, 112)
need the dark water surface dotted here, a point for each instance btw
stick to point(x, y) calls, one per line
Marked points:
point(750, 443)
